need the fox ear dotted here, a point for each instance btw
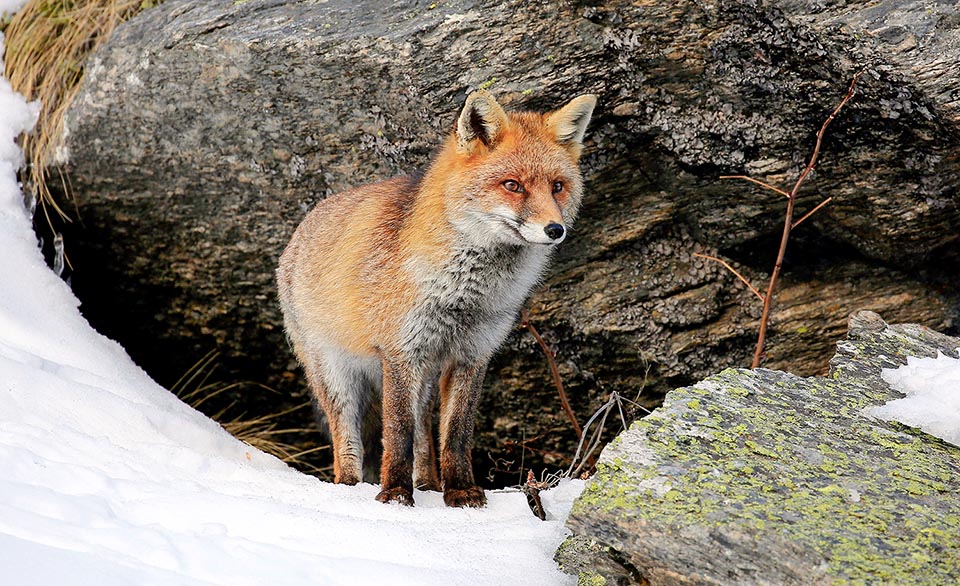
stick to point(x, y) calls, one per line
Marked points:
point(482, 119)
point(569, 123)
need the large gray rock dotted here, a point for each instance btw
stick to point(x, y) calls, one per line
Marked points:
point(205, 130)
point(762, 477)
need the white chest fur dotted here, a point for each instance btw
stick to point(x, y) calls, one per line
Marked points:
point(468, 306)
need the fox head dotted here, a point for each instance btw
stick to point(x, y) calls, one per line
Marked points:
point(514, 177)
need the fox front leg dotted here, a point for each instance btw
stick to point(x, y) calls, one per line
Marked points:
point(400, 386)
point(460, 389)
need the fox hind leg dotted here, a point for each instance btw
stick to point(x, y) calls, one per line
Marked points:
point(425, 475)
point(340, 391)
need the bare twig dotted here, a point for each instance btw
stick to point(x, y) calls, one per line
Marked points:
point(732, 270)
point(525, 321)
point(525, 445)
point(811, 212)
point(788, 223)
point(758, 182)
point(601, 414)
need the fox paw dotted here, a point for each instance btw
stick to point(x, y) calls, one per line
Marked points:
point(432, 485)
point(348, 479)
point(396, 495)
point(465, 497)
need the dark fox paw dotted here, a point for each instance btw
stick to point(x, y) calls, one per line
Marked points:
point(465, 497)
point(396, 495)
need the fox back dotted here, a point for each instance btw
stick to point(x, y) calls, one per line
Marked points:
point(396, 290)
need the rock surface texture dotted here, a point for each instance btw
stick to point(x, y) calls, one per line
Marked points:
point(204, 132)
point(763, 477)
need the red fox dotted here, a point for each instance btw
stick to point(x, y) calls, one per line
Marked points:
point(400, 288)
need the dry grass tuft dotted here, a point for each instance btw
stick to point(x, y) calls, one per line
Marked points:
point(263, 433)
point(196, 387)
point(47, 42)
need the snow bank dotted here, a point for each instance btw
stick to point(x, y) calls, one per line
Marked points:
point(108, 479)
point(932, 402)
point(10, 7)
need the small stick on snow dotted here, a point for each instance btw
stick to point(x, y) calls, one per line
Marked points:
point(532, 490)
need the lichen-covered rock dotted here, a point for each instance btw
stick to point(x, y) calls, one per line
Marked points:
point(762, 477)
point(205, 130)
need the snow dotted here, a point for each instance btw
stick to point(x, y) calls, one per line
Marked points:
point(9, 7)
point(932, 402)
point(108, 479)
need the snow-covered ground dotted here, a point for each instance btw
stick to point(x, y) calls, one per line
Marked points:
point(107, 479)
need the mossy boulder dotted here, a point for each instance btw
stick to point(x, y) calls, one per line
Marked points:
point(763, 477)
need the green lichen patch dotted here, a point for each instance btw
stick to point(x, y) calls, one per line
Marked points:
point(591, 579)
point(787, 460)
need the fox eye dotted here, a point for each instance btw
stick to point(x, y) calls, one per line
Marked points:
point(511, 185)
point(557, 187)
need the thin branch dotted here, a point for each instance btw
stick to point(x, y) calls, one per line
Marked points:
point(525, 321)
point(758, 182)
point(594, 443)
point(823, 129)
point(788, 223)
point(811, 212)
point(576, 456)
point(525, 445)
point(732, 270)
point(588, 447)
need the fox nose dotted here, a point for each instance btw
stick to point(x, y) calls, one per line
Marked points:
point(554, 231)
